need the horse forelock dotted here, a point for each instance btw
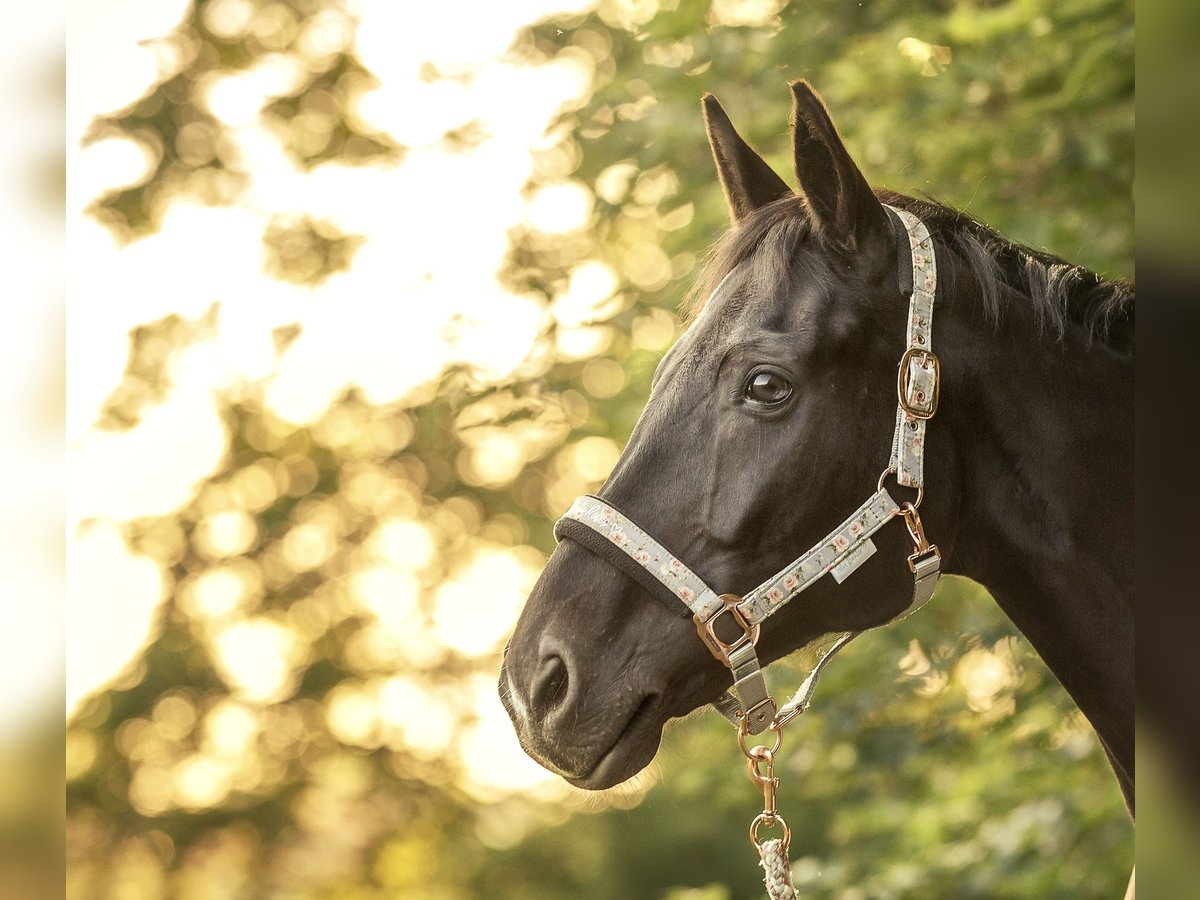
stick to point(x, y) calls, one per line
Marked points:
point(767, 242)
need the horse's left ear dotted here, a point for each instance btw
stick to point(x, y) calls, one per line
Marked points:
point(838, 194)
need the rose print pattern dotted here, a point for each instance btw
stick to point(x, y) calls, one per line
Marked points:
point(764, 599)
point(842, 541)
point(647, 553)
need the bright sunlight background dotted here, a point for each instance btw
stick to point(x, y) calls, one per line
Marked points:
point(420, 297)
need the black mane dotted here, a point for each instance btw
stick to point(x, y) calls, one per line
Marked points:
point(1061, 293)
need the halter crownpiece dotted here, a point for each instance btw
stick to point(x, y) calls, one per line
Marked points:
point(614, 536)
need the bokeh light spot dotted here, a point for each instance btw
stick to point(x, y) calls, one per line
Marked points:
point(405, 542)
point(226, 534)
point(476, 606)
point(560, 207)
point(256, 658)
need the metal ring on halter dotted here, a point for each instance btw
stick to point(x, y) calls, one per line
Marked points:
point(770, 822)
point(774, 726)
point(891, 470)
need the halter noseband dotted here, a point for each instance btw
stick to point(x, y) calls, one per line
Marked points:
point(615, 537)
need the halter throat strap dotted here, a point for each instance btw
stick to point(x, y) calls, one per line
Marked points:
point(613, 536)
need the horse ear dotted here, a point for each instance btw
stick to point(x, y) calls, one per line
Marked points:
point(748, 181)
point(837, 193)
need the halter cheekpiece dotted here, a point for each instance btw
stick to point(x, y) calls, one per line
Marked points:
point(611, 534)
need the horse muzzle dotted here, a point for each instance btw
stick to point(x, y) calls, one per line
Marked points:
point(585, 691)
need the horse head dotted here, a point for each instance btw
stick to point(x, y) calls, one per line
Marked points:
point(768, 421)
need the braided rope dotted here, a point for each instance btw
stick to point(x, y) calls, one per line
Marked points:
point(777, 872)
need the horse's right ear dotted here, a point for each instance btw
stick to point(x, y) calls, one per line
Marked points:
point(748, 181)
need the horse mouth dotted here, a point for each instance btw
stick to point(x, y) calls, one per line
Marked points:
point(629, 753)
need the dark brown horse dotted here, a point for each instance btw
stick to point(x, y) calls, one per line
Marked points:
point(771, 418)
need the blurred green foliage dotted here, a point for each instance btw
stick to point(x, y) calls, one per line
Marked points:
point(941, 759)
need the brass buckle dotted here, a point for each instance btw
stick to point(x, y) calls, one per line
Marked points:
point(928, 359)
point(708, 634)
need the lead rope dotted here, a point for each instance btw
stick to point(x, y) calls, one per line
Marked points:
point(777, 871)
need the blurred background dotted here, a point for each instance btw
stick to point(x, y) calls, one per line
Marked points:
point(362, 295)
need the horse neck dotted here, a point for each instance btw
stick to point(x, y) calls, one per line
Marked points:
point(1042, 435)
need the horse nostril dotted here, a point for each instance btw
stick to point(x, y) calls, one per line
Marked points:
point(551, 685)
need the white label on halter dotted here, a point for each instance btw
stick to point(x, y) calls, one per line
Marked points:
point(853, 560)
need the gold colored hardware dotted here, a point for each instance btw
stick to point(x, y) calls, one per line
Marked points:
point(921, 545)
point(770, 822)
point(891, 470)
point(788, 715)
point(928, 360)
point(757, 757)
point(775, 727)
point(707, 630)
point(767, 783)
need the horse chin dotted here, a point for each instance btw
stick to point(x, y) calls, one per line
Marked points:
point(633, 750)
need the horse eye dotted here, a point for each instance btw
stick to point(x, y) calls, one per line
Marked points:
point(768, 388)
